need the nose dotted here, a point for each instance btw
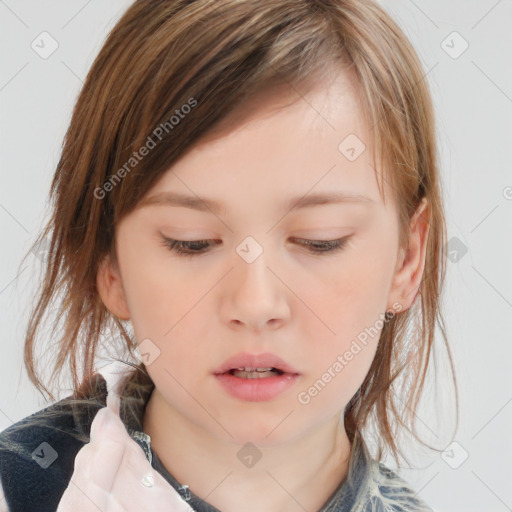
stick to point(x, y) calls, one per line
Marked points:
point(255, 296)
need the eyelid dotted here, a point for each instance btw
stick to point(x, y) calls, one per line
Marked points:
point(331, 246)
point(327, 246)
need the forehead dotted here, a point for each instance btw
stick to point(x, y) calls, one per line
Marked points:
point(334, 92)
point(284, 143)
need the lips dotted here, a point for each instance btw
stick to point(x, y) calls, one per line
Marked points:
point(245, 360)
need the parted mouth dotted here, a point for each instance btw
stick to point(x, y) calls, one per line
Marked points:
point(248, 369)
point(260, 363)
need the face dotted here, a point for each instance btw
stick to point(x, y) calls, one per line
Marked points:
point(259, 276)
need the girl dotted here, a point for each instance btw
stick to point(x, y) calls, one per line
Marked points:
point(248, 194)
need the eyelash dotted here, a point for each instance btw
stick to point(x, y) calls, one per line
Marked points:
point(327, 246)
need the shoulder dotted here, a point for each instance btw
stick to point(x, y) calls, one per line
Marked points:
point(370, 486)
point(391, 492)
point(37, 453)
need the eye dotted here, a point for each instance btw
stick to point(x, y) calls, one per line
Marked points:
point(324, 246)
point(187, 247)
point(197, 247)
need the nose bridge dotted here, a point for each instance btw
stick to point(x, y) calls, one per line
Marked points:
point(253, 274)
point(257, 295)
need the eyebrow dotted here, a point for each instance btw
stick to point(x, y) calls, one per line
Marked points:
point(205, 204)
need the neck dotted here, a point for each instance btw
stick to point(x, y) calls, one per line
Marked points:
point(300, 475)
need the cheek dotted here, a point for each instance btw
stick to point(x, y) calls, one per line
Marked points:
point(155, 291)
point(338, 363)
point(167, 314)
point(330, 390)
point(351, 304)
point(350, 297)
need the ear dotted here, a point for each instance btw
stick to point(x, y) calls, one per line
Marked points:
point(411, 261)
point(110, 288)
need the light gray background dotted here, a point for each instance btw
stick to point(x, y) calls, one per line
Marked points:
point(473, 99)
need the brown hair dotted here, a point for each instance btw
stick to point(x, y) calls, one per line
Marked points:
point(216, 57)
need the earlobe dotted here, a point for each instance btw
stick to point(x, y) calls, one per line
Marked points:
point(409, 273)
point(110, 289)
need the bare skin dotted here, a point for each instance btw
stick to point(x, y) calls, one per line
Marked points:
point(305, 307)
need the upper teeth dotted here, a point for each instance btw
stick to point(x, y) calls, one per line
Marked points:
point(249, 369)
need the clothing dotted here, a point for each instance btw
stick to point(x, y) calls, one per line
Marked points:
point(28, 486)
